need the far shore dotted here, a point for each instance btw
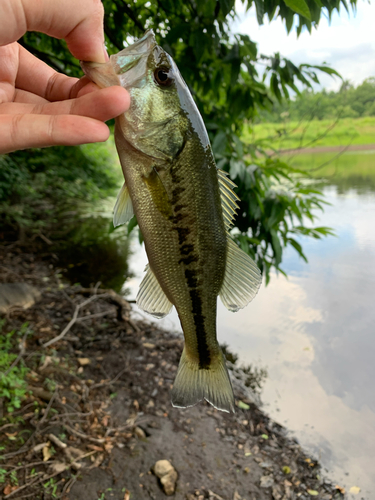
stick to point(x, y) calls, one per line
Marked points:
point(328, 149)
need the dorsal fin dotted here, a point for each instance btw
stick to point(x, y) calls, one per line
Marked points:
point(228, 198)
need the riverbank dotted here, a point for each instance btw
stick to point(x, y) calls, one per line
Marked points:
point(97, 415)
point(314, 134)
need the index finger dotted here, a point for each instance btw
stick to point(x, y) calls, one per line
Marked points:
point(80, 23)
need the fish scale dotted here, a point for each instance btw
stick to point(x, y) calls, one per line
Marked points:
point(184, 207)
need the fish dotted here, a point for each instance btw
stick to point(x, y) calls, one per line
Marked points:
point(185, 207)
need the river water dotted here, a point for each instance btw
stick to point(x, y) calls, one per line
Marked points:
point(314, 332)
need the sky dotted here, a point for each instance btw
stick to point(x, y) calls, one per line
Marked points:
point(347, 43)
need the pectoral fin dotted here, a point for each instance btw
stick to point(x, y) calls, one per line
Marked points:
point(158, 193)
point(123, 210)
point(242, 278)
point(151, 297)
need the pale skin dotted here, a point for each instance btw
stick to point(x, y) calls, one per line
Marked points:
point(38, 106)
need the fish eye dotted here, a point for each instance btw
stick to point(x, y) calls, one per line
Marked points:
point(162, 76)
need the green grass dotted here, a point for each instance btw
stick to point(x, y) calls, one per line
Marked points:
point(290, 135)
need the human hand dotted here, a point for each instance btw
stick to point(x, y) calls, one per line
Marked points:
point(39, 106)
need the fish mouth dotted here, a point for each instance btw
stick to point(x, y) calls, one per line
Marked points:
point(132, 55)
point(126, 68)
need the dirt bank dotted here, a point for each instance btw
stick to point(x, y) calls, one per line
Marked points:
point(97, 416)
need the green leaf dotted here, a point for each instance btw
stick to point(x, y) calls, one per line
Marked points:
point(299, 6)
point(313, 493)
point(243, 405)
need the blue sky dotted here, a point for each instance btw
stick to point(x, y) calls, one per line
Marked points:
point(347, 43)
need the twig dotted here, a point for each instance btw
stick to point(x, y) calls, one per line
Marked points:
point(23, 449)
point(47, 409)
point(69, 484)
point(73, 320)
point(57, 441)
point(110, 382)
point(83, 436)
point(96, 315)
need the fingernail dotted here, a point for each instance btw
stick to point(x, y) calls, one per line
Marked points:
point(106, 56)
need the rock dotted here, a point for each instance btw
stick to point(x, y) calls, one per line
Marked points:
point(266, 481)
point(167, 474)
point(84, 361)
point(17, 294)
point(140, 433)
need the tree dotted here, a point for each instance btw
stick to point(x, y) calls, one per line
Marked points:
point(221, 70)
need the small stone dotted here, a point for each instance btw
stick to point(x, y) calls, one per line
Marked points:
point(83, 361)
point(266, 481)
point(140, 433)
point(167, 474)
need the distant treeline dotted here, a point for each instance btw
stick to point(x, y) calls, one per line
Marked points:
point(348, 102)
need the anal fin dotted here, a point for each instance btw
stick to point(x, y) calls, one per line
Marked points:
point(151, 297)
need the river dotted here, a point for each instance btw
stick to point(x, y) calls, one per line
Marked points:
point(314, 332)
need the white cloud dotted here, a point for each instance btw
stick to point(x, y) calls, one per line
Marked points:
point(347, 43)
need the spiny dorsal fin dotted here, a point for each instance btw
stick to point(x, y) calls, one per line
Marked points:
point(151, 297)
point(242, 278)
point(123, 210)
point(228, 198)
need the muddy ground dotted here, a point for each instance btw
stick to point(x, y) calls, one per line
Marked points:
point(97, 414)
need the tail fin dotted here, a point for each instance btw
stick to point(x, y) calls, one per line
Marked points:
point(193, 384)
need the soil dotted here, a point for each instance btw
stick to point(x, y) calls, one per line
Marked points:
point(98, 417)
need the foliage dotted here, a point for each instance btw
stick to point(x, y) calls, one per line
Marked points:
point(347, 102)
point(221, 69)
point(36, 184)
point(13, 385)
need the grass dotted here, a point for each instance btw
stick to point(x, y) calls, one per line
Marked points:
point(13, 385)
point(315, 133)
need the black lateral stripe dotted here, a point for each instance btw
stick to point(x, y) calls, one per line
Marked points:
point(201, 334)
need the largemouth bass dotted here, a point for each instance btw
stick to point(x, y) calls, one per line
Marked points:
point(184, 207)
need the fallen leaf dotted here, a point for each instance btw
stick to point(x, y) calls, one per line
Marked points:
point(11, 435)
point(340, 489)
point(313, 493)
point(127, 495)
point(8, 489)
point(84, 361)
point(355, 490)
point(108, 447)
point(236, 496)
point(148, 345)
point(58, 467)
point(46, 453)
point(243, 405)
point(94, 447)
point(214, 496)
